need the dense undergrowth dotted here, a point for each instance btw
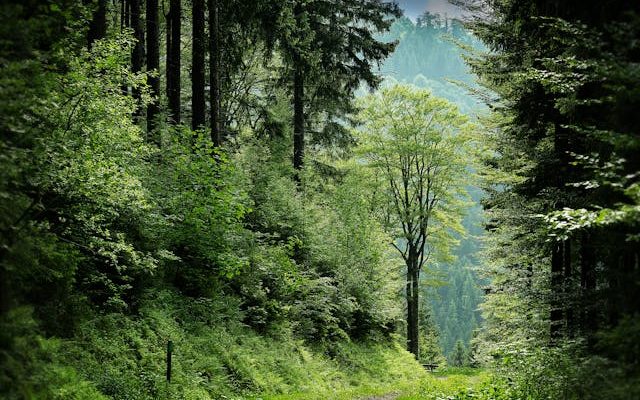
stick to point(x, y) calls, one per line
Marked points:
point(113, 245)
point(274, 283)
point(215, 356)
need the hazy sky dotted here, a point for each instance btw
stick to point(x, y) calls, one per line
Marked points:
point(413, 8)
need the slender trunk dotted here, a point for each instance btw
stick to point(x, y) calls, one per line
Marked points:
point(214, 72)
point(197, 73)
point(5, 288)
point(98, 24)
point(616, 265)
point(629, 294)
point(168, 61)
point(588, 285)
point(153, 66)
point(127, 13)
point(568, 288)
point(137, 54)
point(123, 15)
point(555, 316)
point(174, 21)
point(125, 22)
point(413, 301)
point(560, 145)
point(298, 115)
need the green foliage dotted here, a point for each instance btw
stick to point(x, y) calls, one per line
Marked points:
point(74, 190)
point(419, 145)
point(112, 245)
point(315, 248)
point(198, 194)
point(455, 304)
point(215, 357)
point(33, 366)
point(562, 199)
point(459, 357)
point(430, 55)
point(430, 346)
point(456, 384)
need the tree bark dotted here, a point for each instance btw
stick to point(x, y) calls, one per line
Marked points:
point(589, 322)
point(174, 29)
point(137, 54)
point(413, 301)
point(98, 24)
point(614, 275)
point(214, 72)
point(169, 54)
point(125, 22)
point(298, 116)
point(5, 288)
point(555, 315)
point(558, 252)
point(568, 288)
point(197, 73)
point(153, 66)
point(124, 14)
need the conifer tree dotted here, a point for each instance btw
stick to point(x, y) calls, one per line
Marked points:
point(330, 49)
point(459, 358)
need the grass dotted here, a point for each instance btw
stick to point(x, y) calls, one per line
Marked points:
point(447, 383)
point(119, 357)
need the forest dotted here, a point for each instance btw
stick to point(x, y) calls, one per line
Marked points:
point(319, 199)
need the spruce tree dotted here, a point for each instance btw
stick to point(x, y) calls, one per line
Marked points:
point(330, 49)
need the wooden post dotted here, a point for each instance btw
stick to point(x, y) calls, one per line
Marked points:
point(169, 351)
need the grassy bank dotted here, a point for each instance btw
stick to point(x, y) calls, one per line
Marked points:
point(122, 357)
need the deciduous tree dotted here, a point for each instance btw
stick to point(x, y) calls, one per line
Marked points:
point(419, 146)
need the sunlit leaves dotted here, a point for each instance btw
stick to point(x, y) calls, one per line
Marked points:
point(420, 147)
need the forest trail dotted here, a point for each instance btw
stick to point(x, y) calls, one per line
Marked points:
point(389, 396)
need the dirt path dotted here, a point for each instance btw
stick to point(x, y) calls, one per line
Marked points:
point(389, 396)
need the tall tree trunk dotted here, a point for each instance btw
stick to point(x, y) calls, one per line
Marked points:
point(124, 14)
point(214, 72)
point(614, 275)
point(568, 288)
point(125, 22)
point(174, 21)
point(137, 54)
point(413, 300)
point(168, 61)
point(558, 251)
point(298, 115)
point(153, 66)
point(5, 287)
point(555, 316)
point(127, 13)
point(588, 316)
point(197, 73)
point(98, 24)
